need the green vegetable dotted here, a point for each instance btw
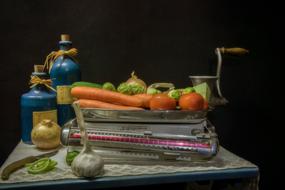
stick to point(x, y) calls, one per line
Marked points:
point(175, 94)
point(188, 90)
point(109, 86)
point(204, 90)
point(130, 89)
point(70, 156)
point(137, 89)
point(153, 91)
point(87, 84)
point(124, 88)
point(42, 165)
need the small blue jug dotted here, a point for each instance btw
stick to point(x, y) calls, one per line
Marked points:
point(37, 104)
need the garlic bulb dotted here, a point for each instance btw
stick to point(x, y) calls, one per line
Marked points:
point(87, 163)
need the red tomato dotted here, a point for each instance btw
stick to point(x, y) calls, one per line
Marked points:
point(162, 102)
point(192, 102)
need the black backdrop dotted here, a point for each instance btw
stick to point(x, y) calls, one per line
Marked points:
point(161, 41)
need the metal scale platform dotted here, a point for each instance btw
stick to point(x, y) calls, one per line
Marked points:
point(139, 136)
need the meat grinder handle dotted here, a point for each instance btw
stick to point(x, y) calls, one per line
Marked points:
point(234, 51)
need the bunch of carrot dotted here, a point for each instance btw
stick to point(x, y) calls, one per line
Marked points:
point(89, 97)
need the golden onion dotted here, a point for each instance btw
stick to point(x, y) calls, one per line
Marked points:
point(134, 80)
point(46, 134)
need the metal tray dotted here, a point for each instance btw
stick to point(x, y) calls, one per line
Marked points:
point(143, 116)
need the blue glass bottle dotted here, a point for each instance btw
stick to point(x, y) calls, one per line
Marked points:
point(37, 104)
point(63, 73)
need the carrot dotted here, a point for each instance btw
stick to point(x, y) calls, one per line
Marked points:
point(98, 104)
point(82, 92)
point(146, 99)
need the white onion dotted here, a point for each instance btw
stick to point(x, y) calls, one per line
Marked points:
point(135, 80)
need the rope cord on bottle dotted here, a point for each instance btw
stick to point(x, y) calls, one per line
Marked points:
point(55, 54)
point(35, 80)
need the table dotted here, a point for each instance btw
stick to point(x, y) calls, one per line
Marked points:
point(225, 165)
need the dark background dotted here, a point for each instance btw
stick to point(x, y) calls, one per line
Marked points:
point(163, 41)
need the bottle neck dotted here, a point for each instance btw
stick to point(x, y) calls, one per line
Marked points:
point(40, 87)
point(65, 45)
point(41, 75)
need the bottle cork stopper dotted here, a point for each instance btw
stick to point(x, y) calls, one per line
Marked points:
point(38, 68)
point(65, 37)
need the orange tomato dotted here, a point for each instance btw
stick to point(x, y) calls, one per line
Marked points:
point(192, 102)
point(162, 102)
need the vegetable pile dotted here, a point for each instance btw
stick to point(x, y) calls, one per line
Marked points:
point(134, 94)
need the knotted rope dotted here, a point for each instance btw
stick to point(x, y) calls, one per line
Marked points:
point(55, 54)
point(35, 80)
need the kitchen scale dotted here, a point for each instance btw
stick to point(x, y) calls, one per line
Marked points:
point(145, 136)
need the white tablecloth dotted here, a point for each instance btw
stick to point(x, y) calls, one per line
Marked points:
point(224, 160)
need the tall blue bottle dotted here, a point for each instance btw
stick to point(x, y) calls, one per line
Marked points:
point(37, 104)
point(63, 73)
